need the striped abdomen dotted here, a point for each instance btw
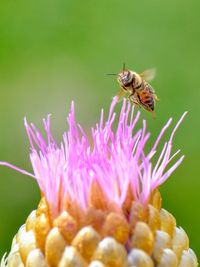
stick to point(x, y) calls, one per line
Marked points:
point(146, 98)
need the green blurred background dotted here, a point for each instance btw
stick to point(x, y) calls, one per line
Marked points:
point(54, 51)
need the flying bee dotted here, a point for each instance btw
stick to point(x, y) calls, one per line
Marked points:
point(139, 91)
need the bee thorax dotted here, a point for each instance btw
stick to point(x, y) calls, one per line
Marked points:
point(137, 81)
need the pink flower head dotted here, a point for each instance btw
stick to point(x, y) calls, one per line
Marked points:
point(113, 158)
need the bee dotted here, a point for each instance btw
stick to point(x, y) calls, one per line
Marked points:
point(140, 92)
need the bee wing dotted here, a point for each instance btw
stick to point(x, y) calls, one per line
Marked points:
point(121, 94)
point(149, 74)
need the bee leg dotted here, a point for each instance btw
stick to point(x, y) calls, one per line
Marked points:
point(155, 97)
point(134, 100)
point(137, 104)
point(131, 98)
point(153, 114)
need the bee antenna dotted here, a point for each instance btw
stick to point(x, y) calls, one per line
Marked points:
point(111, 74)
point(124, 66)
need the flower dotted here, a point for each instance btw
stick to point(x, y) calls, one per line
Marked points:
point(100, 202)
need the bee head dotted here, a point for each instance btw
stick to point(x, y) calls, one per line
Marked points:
point(125, 78)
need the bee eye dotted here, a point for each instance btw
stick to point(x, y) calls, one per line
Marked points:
point(126, 78)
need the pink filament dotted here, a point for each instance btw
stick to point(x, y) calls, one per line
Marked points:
point(115, 160)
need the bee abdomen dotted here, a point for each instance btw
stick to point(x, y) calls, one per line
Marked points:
point(146, 100)
point(149, 102)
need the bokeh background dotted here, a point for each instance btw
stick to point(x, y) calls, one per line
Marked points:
point(54, 51)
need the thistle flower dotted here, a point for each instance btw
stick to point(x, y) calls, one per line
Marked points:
point(100, 204)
